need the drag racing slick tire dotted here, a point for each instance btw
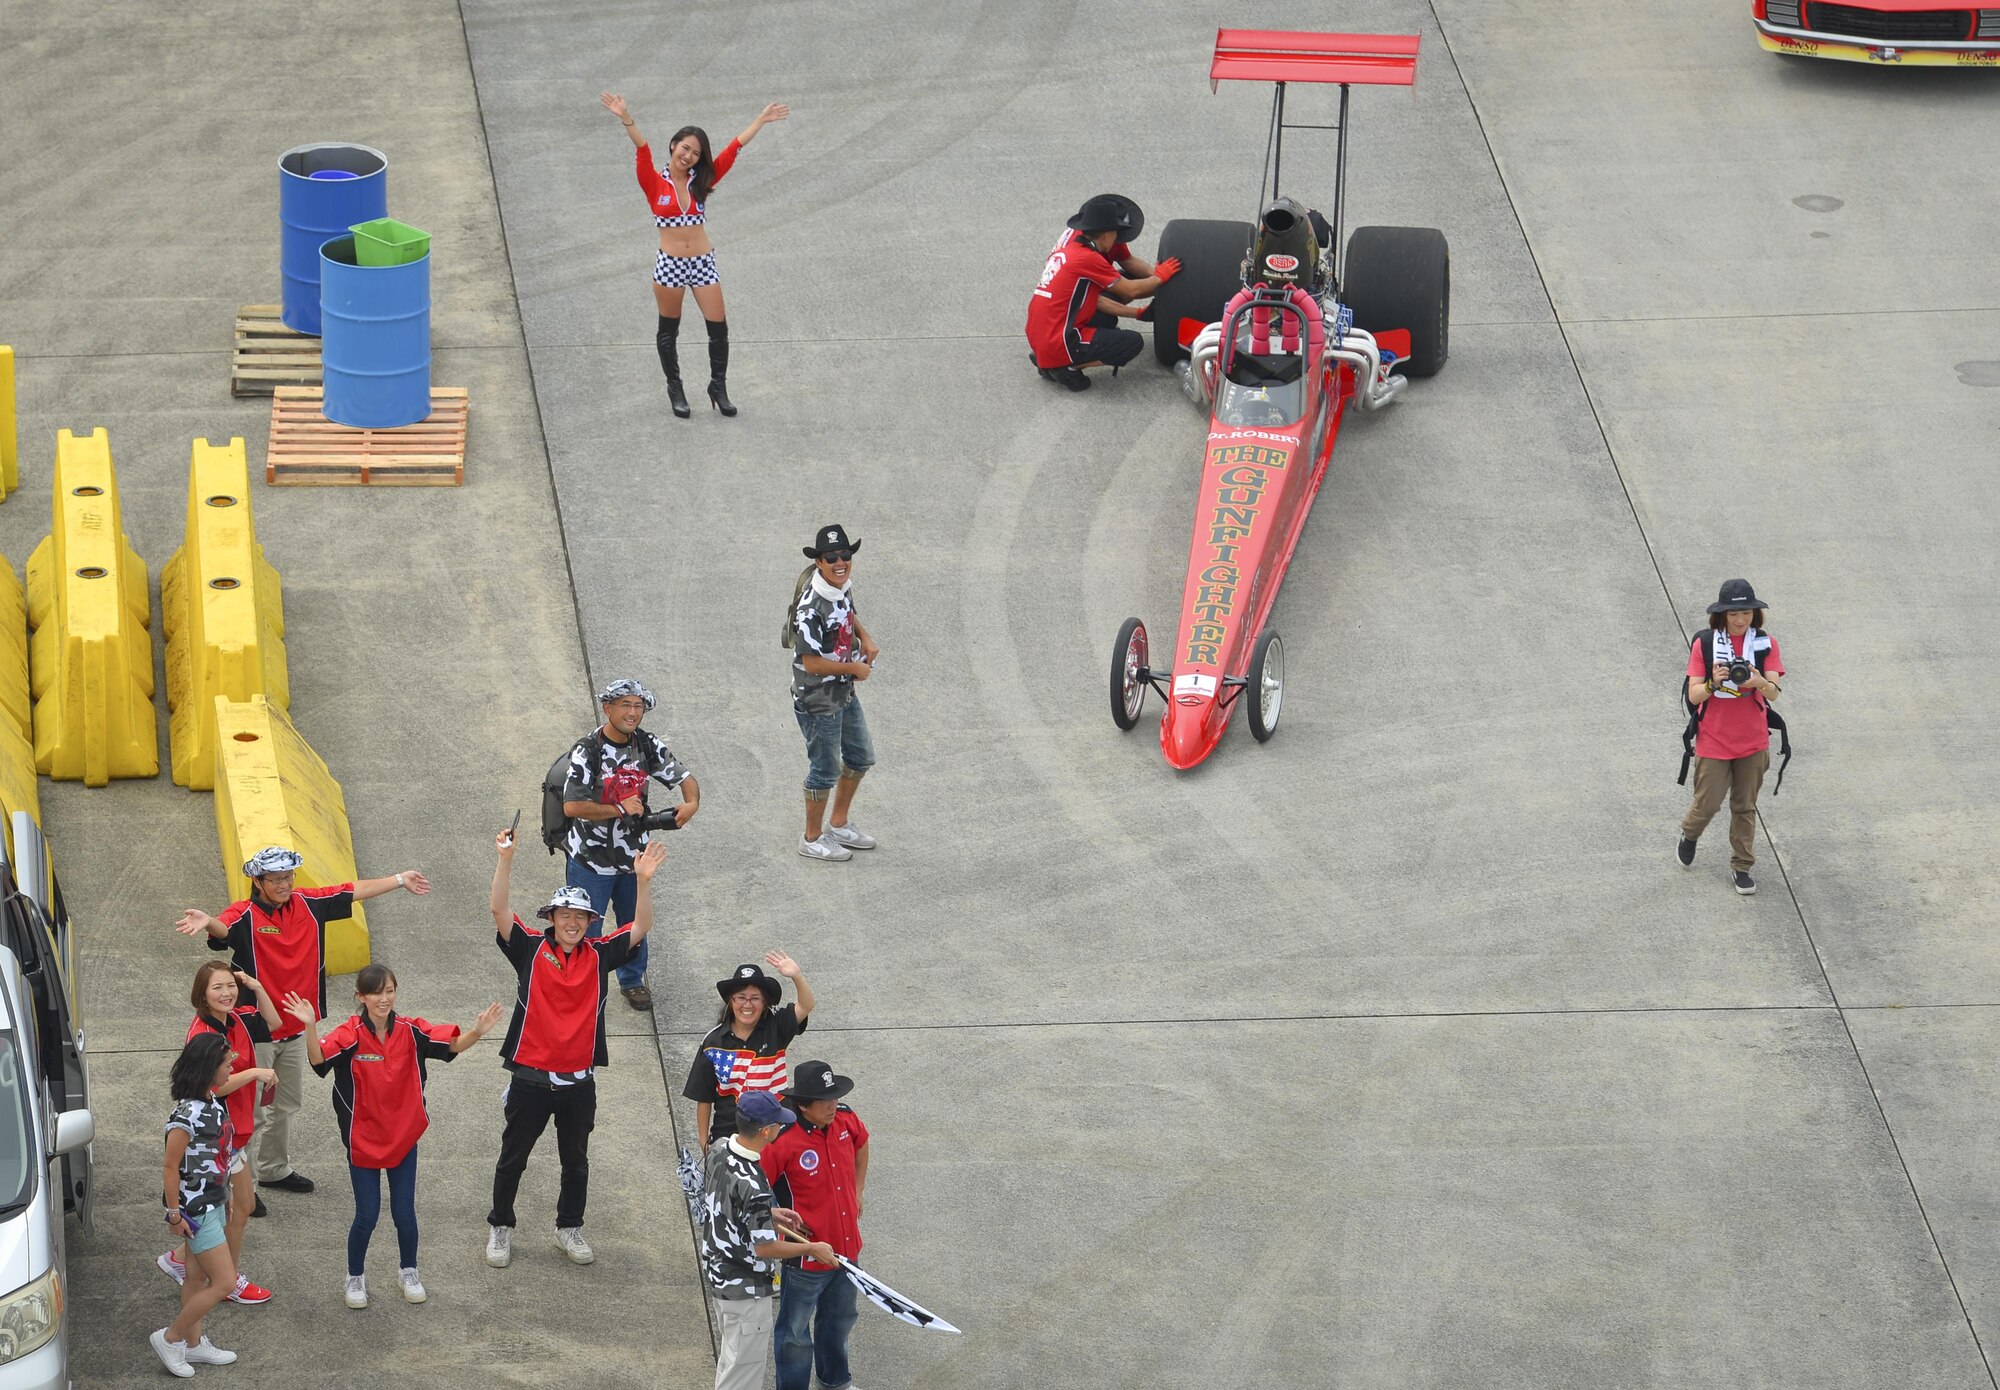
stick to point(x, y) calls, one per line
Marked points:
point(1400, 277)
point(1211, 254)
point(1266, 692)
point(1128, 658)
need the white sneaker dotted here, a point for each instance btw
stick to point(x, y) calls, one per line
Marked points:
point(172, 1268)
point(207, 1353)
point(357, 1291)
point(570, 1238)
point(832, 851)
point(173, 1355)
point(853, 836)
point(413, 1287)
point(500, 1246)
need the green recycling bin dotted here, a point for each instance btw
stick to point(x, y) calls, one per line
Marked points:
point(385, 241)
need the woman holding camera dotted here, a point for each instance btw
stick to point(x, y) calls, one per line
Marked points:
point(1731, 681)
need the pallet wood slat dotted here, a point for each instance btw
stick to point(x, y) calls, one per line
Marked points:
point(307, 448)
point(269, 355)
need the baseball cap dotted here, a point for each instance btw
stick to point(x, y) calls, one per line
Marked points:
point(762, 1108)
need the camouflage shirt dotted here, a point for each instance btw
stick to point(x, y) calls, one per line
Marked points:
point(610, 846)
point(736, 1217)
point(204, 1174)
point(823, 624)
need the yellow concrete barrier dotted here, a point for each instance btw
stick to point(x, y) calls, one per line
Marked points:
point(222, 610)
point(16, 706)
point(272, 789)
point(90, 660)
point(10, 461)
point(18, 788)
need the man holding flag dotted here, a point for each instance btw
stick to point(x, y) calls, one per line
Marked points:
point(818, 1167)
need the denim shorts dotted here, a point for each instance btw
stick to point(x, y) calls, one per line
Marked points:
point(208, 1230)
point(836, 742)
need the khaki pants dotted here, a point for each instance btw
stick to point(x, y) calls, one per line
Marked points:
point(746, 1342)
point(1738, 779)
point(271, 1159)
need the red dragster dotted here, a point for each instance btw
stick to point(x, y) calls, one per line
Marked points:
point(1881, 31)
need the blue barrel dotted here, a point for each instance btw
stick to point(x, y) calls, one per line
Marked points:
point(375, 348)
point(311, 209)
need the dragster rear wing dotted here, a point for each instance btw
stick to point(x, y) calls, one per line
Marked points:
point(1276, 55)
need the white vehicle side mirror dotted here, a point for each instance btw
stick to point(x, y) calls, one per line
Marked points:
point(74, 1130)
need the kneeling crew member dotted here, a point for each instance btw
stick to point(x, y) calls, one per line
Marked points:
point(1072, 318)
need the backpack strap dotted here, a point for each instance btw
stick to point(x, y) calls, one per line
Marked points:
point(1706, 641)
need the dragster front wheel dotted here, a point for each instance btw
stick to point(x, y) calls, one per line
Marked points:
point(1128, 685)
point(1267, 685)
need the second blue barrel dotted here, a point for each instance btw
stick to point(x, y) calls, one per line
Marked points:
point(375, 345)
point(322, 191)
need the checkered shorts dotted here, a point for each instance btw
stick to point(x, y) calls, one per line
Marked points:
point(685, 272)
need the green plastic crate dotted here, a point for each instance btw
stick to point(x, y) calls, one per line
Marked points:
point(385, 241)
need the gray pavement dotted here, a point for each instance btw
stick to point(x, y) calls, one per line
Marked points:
point(1395, 1052)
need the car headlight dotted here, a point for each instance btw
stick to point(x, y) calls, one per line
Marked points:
point(30, 1316)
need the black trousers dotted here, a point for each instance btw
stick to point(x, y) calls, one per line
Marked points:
point(1110, 344)
point(529, 1109)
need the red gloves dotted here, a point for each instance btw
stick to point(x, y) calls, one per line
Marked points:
point(1167, 269)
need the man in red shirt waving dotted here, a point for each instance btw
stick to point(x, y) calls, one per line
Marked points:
point(818, 1167)
point(277, 936)
point(1072, 317)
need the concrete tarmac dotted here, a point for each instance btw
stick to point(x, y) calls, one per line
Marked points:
point(1395, 1052)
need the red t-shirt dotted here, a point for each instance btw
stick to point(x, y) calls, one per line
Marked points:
point(1732, 725)
point(558, 1023)
point(378, 1084)
point(1059, 312)
point(285, 951)
point(241, 1030)
point(817, 1166)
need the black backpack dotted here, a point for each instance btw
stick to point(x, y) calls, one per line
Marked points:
point(790, 634)
point(555, 825)
point(1772, 719)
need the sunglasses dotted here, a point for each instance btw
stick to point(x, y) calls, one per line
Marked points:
point(836, 557)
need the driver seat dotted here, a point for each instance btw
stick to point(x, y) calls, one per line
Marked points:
point(1274, 347)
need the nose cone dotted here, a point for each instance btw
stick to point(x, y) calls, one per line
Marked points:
point(1189, 733)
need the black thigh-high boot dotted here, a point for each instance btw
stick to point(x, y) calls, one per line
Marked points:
point(718, 366)
point(667, 340)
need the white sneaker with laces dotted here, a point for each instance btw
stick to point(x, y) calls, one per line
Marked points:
point(207, 1353)
point(832, 851)
point(173, 1355)
point(357, 1291)
point(500, 1246)
point(853, 836)
point(172, 1268)
point(413, 1287)
point(570, 1238)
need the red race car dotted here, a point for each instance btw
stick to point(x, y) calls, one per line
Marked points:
point(1881, 31)
point(1270, 327)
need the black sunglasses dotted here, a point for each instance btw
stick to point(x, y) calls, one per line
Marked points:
point(837, 557)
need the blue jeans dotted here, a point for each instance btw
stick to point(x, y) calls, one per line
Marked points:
point(836, 742)
point(825, 1299)
point(368, 1208)
point(617, 897)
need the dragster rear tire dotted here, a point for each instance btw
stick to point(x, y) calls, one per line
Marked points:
point(1400, 277)
point(1265, 695)
point(1211, 255)
point(1128, 657)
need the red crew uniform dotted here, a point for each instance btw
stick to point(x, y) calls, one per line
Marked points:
point(378, 1084)
point(284, 949)
point(242, 1030)
point(816, 1165)
point(1061, 313)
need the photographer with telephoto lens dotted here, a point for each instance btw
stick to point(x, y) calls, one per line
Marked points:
point(1730, 684)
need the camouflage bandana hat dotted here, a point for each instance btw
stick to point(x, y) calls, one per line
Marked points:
point(274, 860)
point(568, 897)
point(622, 689)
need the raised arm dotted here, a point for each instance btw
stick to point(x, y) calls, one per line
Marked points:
point(654, 855)
point(503, 920)
point(409, 880)
point(481, 1026)
point(615, 104)
point(776, 111)
point(302, 1010)
point(195, 922)
point(789, 968)
point(267, 1008)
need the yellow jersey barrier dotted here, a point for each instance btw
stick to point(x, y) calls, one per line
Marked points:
point(17, 708)
point(90, 657)
point(271, 788)
point(222, 609)
point(10, 460)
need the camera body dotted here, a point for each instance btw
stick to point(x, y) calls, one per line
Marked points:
point(1739, 672)
point(653, 820)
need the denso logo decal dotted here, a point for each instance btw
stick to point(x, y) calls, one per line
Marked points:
point(1282, 264)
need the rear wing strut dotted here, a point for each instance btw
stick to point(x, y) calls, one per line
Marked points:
point(1282, 57)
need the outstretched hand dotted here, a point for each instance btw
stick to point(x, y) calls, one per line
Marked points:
point(488, 1017)
point(414, 882)
point(649, 861)
point(776, 111)
point(301, 1009)
point(193, 922)
point(782, 963)
point(615, 104)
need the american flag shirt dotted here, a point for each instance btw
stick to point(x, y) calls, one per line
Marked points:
point(726, 1066)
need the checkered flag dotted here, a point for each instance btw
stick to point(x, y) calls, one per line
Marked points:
point(893, 1303)
point(692, 1181)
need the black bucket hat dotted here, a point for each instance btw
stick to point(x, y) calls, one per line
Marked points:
point(753, 974)
point(817, 1081)
point(1110, 212)
point(833, 537)
point(1736, 594)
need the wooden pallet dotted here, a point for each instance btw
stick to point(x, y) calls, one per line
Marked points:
point(307, 448)
point(270, 355)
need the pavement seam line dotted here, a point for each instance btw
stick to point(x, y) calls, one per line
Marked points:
point(1777, 859)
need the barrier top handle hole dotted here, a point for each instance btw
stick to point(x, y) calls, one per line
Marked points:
point(86, 492)
point(244, 738)
point(222, 583)
point(221, 500)
point(90, 572)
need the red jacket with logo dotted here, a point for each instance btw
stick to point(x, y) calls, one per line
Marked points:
point(816, 1168)
point(286, 949)
point(378, 1084)
point(1060, 311)
point(558, 1023)
point(242, 1030)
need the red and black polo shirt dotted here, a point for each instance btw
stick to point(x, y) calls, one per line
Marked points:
point(812, 1169)
point(378, 1084)
point(558, 1024)
point(242, 1030)
point(1059, 312)
point(285, 948)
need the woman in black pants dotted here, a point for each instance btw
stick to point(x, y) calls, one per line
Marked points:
point(678, 197)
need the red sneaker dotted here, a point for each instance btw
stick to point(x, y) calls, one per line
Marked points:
point(247, 1292)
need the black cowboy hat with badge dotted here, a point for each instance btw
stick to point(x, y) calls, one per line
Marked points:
point(817, 1081)
point(1109, 212)
point(830, 539)
point(745, 976)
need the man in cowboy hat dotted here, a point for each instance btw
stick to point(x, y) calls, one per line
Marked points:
point(831, 650)
point(555, 1042)
point(277, 936)
point(745, 1052)
point(610, 771)
point(818, 1167)
point(1732, 743)
point(1073, 314)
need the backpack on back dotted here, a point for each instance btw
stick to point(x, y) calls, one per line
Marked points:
point(786, 637)
point(1772, 719)
point(555, 825)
